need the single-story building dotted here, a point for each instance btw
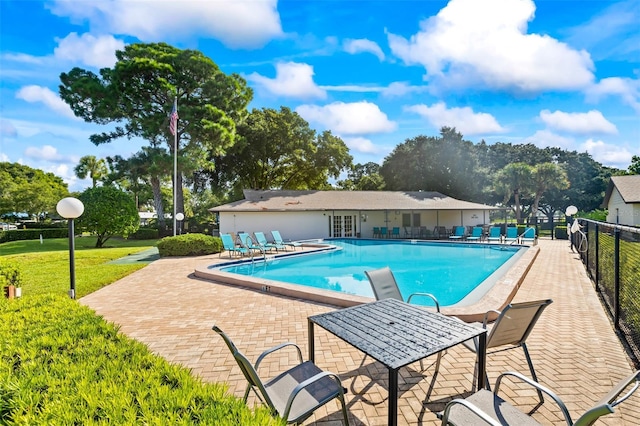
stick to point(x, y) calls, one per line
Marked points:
point(622, 199)
point(300, 215)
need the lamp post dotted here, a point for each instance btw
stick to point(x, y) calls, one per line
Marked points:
point(71, 208)
point(179, 218)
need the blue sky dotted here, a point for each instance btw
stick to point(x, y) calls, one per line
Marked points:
point(552, 73)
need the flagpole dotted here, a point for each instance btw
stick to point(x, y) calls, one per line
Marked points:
point(175, 167)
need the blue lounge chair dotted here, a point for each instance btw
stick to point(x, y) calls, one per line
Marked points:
point(384, 232)
point(529, 236)
point(476, 234)
point(277, 239)
point(376, 232)
point(247, 242)
point(261, 240)
point(494, 235)
point(229, 246)
point(512, 235)
point(458, 234)
point(395, 232)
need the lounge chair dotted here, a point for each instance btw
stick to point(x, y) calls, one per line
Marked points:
point(494, 235)
point(395, 232)
point(512, 235)
point(476, 234)
point(247, 242)
point(384, 232)
point(486, 407)
point(295, 393)
point(277, 239)
point(440, 232)
point(385, 286)
point(261, 240)
point(529, 236)
point(230, 247)
point(458, 233)
point(512, 328)
point(376, 232)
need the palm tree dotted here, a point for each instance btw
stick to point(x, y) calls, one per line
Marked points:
point(90, 166)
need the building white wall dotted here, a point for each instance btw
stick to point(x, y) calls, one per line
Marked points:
point(621, 212)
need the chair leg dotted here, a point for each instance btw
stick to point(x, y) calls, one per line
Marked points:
point(345, 415)
point(533, 372)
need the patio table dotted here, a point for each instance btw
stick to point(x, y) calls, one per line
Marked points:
point(397, 334)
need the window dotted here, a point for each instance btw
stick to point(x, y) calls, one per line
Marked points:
point(406, 220)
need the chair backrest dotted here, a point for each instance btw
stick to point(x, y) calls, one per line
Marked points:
point(395, 231)
point(512, 232)
point(384, 284)
point(515, 322)
point(227, 241)
point(494, 232)
point(610, 400)
point(277, 238)
point(477, 231)
point(529, 233)
point(247, 368)
point(260, 238)
point(459, 231)
point(245, 239)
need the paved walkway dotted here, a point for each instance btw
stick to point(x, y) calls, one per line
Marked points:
point(574, 348)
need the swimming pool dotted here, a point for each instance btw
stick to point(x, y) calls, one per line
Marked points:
point(455, 272)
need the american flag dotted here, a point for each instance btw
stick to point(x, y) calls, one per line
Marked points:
point(173, 118)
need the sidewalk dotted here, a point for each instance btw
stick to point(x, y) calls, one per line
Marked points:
point(573, 347)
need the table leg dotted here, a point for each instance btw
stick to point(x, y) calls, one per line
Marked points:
point(311, 341)
point(482, 360)
point(393, 397)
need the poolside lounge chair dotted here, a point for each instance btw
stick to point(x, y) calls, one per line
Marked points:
point(486, 407)
point(529, 236)
point(395, 232)
point(384, 232)
point(385, 286)
point(261, 240)
point(440, 232)
point(247, 242)
point(295, 393)
point(494, 235)
point(512, 328)
point(458, 233)
point(230, 247)
point(512, 235)
point(277, 239)
point(476, 234)
point(376, 232)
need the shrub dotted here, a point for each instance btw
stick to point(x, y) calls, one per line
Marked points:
point(32, 234)
point(9, 273)
point(189, 245)
point(145, 234)
point(62, 364)
point(561, 233)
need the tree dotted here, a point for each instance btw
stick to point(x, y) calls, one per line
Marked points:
point(634, 167)
point(363, 177)
point(547, 176)
point(90, 166)
point(138, 94)
point(278, 150)
point(514, 180)
point(108, 211)
point(27, 190)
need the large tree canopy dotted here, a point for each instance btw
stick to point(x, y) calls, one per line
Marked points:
point(27, 190)
point(138, 93)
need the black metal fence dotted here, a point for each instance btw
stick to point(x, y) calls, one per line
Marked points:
point(611, 254)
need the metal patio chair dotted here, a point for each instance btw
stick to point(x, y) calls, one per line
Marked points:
point(293, 394)
point(486, 407)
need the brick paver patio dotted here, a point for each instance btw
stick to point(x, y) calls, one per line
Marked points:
point(574, 347)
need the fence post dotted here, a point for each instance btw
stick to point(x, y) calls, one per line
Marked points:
point(597, 259)
point(616, 279)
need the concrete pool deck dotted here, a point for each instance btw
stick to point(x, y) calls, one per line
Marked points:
point(574, 347)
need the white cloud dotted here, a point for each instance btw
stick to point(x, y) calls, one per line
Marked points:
point(4, 158)
point(485, 43)
point(292, 80)
point(608, 154)
point(33, 94)
point(99, 52)
point(626, 88)
point(357, 118)
point(578, 122)
point(361, 144)
point(237, 24)
point(363, 45)
point(464, 119)
point(22, 58)
point(7, 129)
point(44, 153)
point(546, 138)
point(401, 88)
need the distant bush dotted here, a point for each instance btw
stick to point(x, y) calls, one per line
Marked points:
point(9, 273)
point(189, 245)
point(64, 365)
point(145, 234)
point(32, 234)
point(561, 233)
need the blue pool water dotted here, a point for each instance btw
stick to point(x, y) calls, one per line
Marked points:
point(450, 271)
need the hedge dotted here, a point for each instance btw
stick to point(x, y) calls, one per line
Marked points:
point(9, 273)
point(189, 245)
point(33, 234)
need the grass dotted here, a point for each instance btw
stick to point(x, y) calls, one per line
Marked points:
point(45, 267)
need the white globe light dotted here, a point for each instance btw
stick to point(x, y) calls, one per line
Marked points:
point(571, 210)
point(70, 208)
point(179, 216)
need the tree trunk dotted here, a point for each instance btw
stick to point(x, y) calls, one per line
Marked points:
point(157, 201)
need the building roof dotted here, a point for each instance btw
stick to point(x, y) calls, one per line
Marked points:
point(627, 186)
point(346, 200)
